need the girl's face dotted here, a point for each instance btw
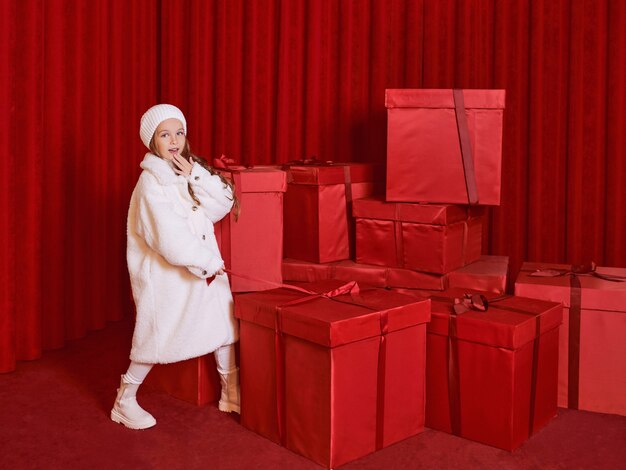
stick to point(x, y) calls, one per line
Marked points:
point(169, 138)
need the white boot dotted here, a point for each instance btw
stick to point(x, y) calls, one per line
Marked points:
point(127, 411)
point(229, 400)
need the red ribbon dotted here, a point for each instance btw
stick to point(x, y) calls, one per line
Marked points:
point(223, 162)
point(466, 147)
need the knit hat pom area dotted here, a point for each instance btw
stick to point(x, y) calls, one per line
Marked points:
point(155, 116)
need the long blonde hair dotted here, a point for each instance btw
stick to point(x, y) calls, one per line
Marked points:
point(186, 153)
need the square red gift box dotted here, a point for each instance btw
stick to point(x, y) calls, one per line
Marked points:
point(592, 348)
point(318, 223)
point(435, 238)
point(491, 376)
point(252, 244)
point(336, 376)
point(444, 146)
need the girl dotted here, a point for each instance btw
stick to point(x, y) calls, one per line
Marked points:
point(182, 295)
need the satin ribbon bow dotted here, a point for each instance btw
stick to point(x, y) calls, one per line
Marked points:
point(470, 302)
point(580, 270)
point(223, 162)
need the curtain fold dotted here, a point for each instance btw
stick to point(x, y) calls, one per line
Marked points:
point(274, 80)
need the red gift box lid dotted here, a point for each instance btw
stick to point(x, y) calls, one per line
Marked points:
point(443, 98)
point(434, 214)
point(330, 173)
point(596, 293)
point(508, 323)
point(257, 179)
point(348, 270)
point(332, 322)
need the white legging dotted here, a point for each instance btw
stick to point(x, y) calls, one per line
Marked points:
point(224, 358)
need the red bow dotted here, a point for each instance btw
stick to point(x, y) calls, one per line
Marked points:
point(223, 162)
point(470, 302)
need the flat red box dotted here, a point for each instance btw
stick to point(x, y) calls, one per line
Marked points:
point(318, 226)
point(341, 378)
point(424, 237)
point(252, 245)
point(194, 380)
point(592, 347)
point(488, 274)
point(491, 376)
point(424, 159)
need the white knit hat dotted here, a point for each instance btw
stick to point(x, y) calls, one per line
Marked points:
point(155, 116)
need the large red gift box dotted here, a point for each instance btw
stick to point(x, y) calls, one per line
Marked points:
point(332, 377)
point(318, 225)
point(425, 237)
point(444, 146)
point(347, 270)
point(491, 376)
point(592, 348)
point(252, 244)
point(489, 274)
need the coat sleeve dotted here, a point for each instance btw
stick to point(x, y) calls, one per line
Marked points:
point(216, 198)
point(167, 233)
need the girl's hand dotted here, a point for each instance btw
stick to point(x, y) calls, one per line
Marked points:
point(182, 166)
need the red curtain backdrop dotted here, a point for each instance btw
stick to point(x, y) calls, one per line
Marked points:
point(269, 81)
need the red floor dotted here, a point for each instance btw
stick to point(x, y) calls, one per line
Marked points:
point(54, 414)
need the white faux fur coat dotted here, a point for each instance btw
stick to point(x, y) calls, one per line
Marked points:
point(171, 251)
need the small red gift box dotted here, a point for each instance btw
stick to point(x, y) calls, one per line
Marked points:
point(332, 377)
point(592, 348)
point(194, 380)
point(444, 146)
point(491, 376)
point(318, 226)
point(252, 244)
point(488, 274)
point(424, 237)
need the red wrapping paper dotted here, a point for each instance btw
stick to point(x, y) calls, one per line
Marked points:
point(332, 380)
point(252, 245)
point(318, 226)
point(592, 349)
point(424, 159)
point(496, 383)
point(424, 237)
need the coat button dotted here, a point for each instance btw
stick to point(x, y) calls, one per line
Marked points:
point(204, 237)
point(204, 273)
point(194, 208)
point(196, 178)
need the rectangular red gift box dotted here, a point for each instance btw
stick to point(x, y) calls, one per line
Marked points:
point(435, 238)
point(332, 377)
point(444, 146)
point(318, 223)
point(252, 244)
point(489, 274)
point(491, 376)
point(592, 348)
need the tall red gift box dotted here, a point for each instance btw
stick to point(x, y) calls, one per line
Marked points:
point(592, 348)
point(425, 237)
point(491, 376)
point(252, 244)
point(444, 146)
point(318, 226)
point(332, 378)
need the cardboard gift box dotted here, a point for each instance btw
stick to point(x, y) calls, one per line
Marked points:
point(489, 274)
point(444, 146)
point(592, 348)
point(318, 225)
point(435, 238)
point(252, 244)
point(491, 376)
point(336, 376)
point(194, 380)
